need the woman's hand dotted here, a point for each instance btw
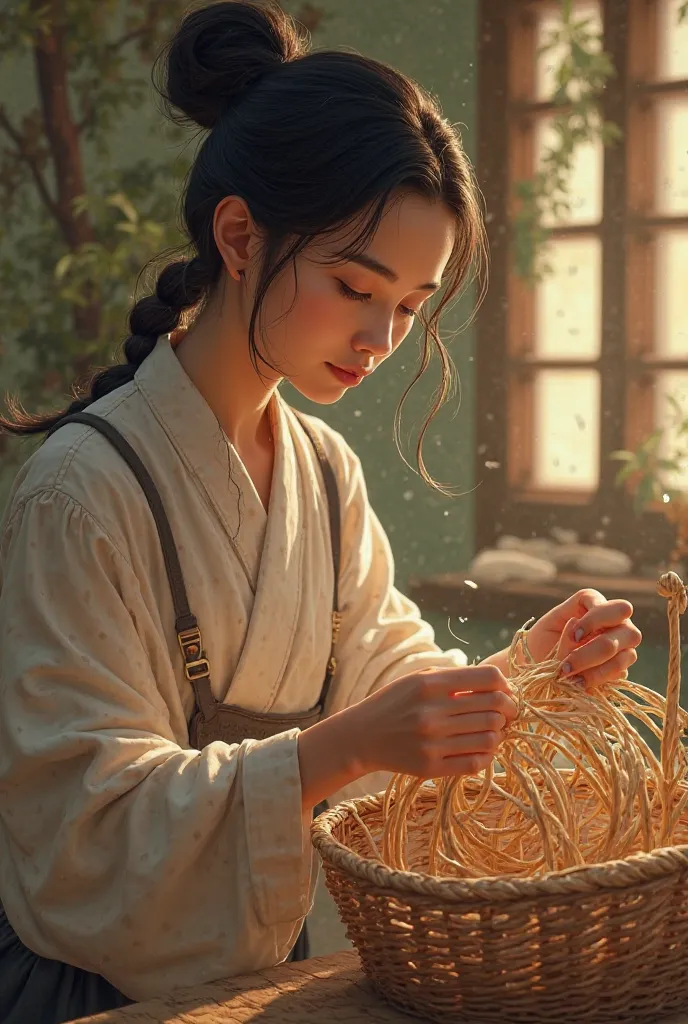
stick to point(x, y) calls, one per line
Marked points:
point(594, 638)
point(433, 723)
point(436, 722)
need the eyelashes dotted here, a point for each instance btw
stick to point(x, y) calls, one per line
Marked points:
point(349, 293)
point(355, 296)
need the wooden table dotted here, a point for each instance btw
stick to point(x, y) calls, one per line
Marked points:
point(323, 990)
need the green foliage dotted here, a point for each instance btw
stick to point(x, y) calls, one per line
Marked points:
point(70, 256)
point(78, 225)
point(580, 77)
point(132, 216)
point(647, 471)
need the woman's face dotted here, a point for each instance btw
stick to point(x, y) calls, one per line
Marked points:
point(353, 315)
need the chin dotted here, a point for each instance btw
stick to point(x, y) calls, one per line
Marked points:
point(319, 395)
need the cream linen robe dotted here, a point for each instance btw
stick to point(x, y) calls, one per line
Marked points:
point(122, 850)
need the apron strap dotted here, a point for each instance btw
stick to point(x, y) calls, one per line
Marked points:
point(196, 664)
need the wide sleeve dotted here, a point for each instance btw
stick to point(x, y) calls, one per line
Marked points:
point(122, 851)
point(383, 635)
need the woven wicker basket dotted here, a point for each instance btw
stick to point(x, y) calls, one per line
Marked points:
point(601, 943)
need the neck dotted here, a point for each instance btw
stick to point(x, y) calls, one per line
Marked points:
point(215, 356)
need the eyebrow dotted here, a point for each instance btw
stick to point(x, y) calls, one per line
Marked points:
point(370, 263)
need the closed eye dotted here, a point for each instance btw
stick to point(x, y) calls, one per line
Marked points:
point(349, 293)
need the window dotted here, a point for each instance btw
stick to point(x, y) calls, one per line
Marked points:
point(580, 364)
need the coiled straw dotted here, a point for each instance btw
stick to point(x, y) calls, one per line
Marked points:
point(531, 815)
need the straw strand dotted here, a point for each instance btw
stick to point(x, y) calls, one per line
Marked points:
point(530, 817)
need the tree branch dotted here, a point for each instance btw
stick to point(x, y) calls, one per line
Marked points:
point(22, 153)
point(143, 30)
point(127, 38)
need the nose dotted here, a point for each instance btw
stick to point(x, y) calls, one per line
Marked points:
point(378, 341)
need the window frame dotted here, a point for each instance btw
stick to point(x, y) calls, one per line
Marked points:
point(627, 229)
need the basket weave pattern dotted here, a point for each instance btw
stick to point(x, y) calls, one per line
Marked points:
point(604, 943)
point(601, 943)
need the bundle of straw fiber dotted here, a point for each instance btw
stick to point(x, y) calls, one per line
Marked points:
point(533, 892)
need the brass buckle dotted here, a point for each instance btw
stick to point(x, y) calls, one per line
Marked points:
point(191, 644)
point(336, 623)
point(197, 669)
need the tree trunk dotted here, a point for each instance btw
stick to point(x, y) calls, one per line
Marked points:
point(52, 72)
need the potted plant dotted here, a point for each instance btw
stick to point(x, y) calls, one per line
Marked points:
point(650, 473)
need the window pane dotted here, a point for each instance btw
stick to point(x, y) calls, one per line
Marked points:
point(549, 22)
point(671, 294)
point(673, 383)
point(567, 301)
point(673, 41)
point(672, 156)
point(567, 428)
point(584, 190)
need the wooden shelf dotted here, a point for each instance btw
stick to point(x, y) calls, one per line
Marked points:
point(515, 602)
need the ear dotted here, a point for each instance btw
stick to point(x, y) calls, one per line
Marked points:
point(236, 235)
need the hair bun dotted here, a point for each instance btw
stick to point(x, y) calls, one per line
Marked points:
point(219, 51)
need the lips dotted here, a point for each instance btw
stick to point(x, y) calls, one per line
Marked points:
point(348, 377)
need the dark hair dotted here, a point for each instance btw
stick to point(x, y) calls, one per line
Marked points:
point(312, 141)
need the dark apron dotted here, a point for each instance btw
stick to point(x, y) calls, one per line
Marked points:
point(37, 990)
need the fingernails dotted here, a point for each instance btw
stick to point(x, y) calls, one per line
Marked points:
point(577, 680)
point(566, 668)
point(579, 634)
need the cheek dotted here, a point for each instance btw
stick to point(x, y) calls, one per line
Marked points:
point(318, 313)
point(402, 333)
point(303, 321)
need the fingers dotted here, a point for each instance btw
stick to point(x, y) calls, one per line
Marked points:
point(614, 669)
point(601, 650)
point(473, 743)
point(471, 679)
point(473, 713)
point(463, 764)
point(465, 705)
point(567, 642)
point(448, 723)
point(601, 614)
point(437, 737)
point(463, 755)
point(581, 603)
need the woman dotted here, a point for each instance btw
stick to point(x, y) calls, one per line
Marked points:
point(150, 839)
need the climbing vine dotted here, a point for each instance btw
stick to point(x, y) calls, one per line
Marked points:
point(580, 78)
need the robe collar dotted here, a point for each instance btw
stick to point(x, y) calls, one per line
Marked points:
point(263, 543)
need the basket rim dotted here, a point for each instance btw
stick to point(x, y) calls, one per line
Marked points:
point(637, 869)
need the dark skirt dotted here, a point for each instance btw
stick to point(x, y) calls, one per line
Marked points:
point(35, 990)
